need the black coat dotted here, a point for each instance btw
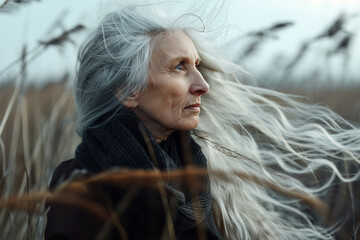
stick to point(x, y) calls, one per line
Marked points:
point(144, 217)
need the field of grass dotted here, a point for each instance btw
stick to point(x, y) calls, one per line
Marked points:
point(344, 101)
point(37, 132)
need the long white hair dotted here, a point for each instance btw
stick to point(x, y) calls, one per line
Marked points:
point(292, 152)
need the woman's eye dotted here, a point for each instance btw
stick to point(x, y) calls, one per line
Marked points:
point(180, 66)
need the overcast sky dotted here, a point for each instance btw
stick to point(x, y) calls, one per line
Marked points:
point(32, 22)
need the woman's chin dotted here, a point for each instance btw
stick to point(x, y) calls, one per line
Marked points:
point(191, 124)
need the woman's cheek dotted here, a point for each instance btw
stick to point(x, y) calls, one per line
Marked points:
point(177, 107)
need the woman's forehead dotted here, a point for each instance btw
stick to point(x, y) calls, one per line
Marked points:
point(175, 45)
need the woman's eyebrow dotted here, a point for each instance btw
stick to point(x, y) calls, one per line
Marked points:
point(183, 58)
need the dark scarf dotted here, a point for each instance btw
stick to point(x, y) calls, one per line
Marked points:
point(121, 143)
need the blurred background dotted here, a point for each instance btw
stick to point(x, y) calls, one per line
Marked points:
point(305, 47)
point(311, 35)
point(309, 47)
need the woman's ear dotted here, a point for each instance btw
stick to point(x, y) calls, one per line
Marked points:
point(132, 101)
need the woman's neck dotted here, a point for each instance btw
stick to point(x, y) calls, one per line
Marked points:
point(159, 132)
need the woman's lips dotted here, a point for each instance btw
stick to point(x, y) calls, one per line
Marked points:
point(193, 107)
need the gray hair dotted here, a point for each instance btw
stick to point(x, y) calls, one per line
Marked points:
point(115, 57)
point(264, 133)
point(113, 62)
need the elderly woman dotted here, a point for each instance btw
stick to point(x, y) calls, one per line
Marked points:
point(146, 80)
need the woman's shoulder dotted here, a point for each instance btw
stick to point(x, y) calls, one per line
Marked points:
point(66, 170)
point(70, 221)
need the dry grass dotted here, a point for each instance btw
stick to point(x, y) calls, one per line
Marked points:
point(78, 192)
point(39, 133)
point(344, 101)
point(40, 126)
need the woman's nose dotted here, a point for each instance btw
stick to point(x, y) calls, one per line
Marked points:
point(199, 85)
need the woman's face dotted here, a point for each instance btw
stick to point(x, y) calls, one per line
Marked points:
point(172, 100)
